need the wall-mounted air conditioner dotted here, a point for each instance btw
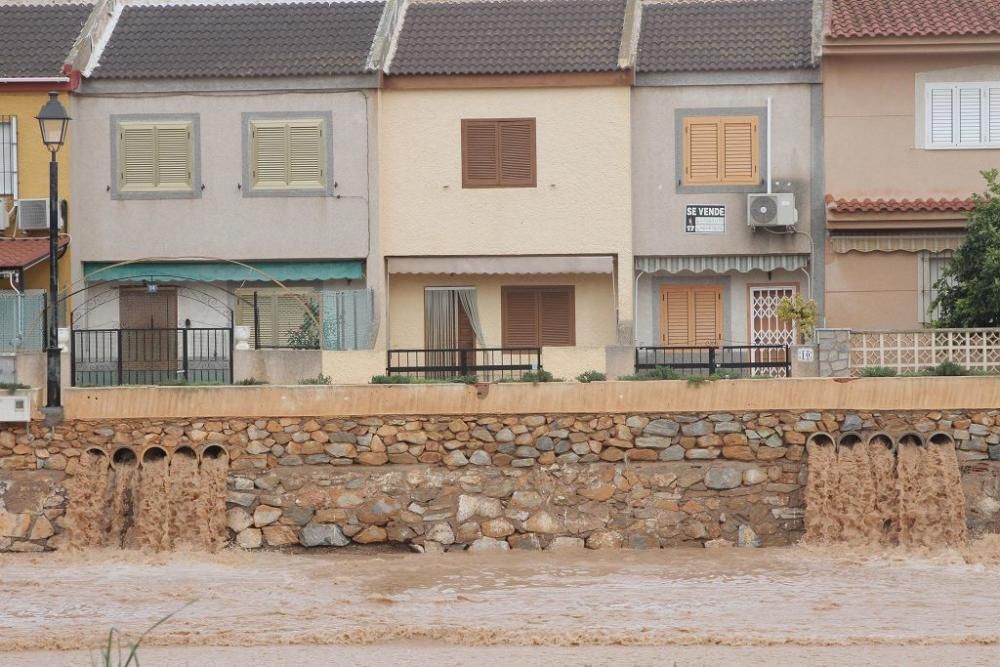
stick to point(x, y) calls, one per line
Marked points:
point(771, 210)
point(33, 215)
point(15, 408)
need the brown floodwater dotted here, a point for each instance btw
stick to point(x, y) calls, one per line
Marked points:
point(689, 606)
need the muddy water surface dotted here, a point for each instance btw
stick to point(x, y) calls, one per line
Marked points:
point(741, 606)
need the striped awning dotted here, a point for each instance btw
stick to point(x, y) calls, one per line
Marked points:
point(889, 242)
point(721, 263)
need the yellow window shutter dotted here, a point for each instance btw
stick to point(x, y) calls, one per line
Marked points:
point(305, 151)
point(137, 156)
point(270, 154)
point(173, 156)
point(702, 150)
point(740, 151)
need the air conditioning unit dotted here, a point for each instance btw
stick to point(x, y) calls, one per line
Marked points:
point(15, 408)
point(771, 210)
point(33, 215)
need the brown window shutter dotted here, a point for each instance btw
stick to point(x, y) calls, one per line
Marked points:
point(675, 316)
point(519, 315)
point(557, 326)
point(740, 159)
point(517, 152)
point(702, 150)
point(707, 320)
point(480, 153)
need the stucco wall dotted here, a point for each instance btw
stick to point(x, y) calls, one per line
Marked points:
point(221, 222)
point(659, 208)
point(873, 290)
point(873, 128)
point(595, 314)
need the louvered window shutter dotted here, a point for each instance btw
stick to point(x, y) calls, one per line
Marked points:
point(970, 119)
point(517, 153)
point(705, 322)
point(739, 151)
point(557, 326)
point(520, 318)
point(675, 317)
point(702, 155)
point(305, 149)
point(940, 116)
point(137, 156)
point(993, 114)
point(173, 157)
point(288, 154)
point(480, 153)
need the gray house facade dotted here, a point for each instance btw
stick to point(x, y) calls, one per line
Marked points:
point(727, 94)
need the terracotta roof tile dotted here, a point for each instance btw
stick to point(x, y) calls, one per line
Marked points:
point(18, 253)
point(238, 40)
point(509, 37)
point(35, 39)
point(720, 35)
point(912, 18)
point(897, 205)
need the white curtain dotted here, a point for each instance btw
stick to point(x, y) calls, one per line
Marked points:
point(439, 319)
point(467, 297)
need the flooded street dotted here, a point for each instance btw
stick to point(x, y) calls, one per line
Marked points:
point(691, 607)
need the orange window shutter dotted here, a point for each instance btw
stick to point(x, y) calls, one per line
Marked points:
point(675, 316)
point(740, 151)
point(480, 153)
point(517, 152)
point(707, 319)
point(701, 150)
point(558, 326)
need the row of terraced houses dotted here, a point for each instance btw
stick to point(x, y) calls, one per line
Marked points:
point(483, 186)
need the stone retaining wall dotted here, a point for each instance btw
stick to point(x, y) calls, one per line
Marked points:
point(529, 481)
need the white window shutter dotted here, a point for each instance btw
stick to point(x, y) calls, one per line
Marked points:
point(940, 116)
point(305, 148)
point(993, 114)
point(288, 154)
point(970, 116)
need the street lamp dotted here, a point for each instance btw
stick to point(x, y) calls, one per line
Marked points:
point(53, 121)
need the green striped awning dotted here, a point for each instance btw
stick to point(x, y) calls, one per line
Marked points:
point(720, 263)
point(225, 271)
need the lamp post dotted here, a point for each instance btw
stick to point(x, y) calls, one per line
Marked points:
point(53, 121)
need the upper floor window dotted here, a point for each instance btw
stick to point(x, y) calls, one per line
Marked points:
point(8, 161)
point(288, 154)
point(498, 153)
point(963, 115)
point(155, 157)
point(721, 150)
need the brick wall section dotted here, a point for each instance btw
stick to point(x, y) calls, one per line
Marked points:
point(492, 482)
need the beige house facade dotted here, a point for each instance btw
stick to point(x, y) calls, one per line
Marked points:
point(911, 116)
point(506, 198)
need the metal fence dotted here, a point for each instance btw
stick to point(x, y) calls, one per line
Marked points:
point(22, 321)
point(109, 357)
point(747, 360)
point(487, 364)
point(348, 318)
point(914, 350)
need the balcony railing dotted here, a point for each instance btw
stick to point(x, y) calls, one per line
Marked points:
point(747, 360)
point(487, 364)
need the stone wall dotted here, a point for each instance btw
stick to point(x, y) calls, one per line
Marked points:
point(531, 481)
point(834, 354)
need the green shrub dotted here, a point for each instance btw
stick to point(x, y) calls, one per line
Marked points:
point(406, 379)
point(591, 376)
point(250, 381)
point(539, 376)
point(658, 373)
point(319, 379)
point(878, 372)
point(949, 369)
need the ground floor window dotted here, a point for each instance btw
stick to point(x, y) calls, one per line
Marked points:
point(765, 327)
point(451, 318)
point(285, 318)
point(538, 316)
point(930, 269)
point(690, 315)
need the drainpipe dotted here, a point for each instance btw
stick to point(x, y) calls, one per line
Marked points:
point(635, 308)
point(768, 125)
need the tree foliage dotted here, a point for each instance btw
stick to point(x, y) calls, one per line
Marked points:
point(969, 287)
point(800, 311)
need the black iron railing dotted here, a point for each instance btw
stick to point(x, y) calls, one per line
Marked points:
point(109, 357)
point(747, 360)
point(487, 364)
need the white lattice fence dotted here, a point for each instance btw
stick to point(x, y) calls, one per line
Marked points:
point(978, 349)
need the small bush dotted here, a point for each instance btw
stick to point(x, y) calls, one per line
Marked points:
point(948, 369)
point(591, 376)
point(878, 372)
point(406, 379)
point(539, 376)
point(319, 379)
point(720, 375)
point(658, 373)
point(250, 381)
point(12, 387)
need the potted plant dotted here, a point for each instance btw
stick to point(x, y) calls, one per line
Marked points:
point(801, 312)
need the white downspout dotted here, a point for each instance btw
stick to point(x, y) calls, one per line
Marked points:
point(768, 126)
point(635, 308)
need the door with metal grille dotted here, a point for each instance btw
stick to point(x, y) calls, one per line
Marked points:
point(766, 328)
point(149, 353)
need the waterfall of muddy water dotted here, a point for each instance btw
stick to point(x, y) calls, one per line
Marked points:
point(155, 507)
point(867, 494)
point(90, 493)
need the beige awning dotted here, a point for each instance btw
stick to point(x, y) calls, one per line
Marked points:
point(501, 265)
point(843, 243)
point(720, 263)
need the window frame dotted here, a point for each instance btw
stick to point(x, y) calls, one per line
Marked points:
point(9, 150)
point(956, 144)
point(324, 189)
point(681, 119)
point(120, 191)
point(926, 290)
point(538, 289)
point(469, 184)
point(308, 294)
